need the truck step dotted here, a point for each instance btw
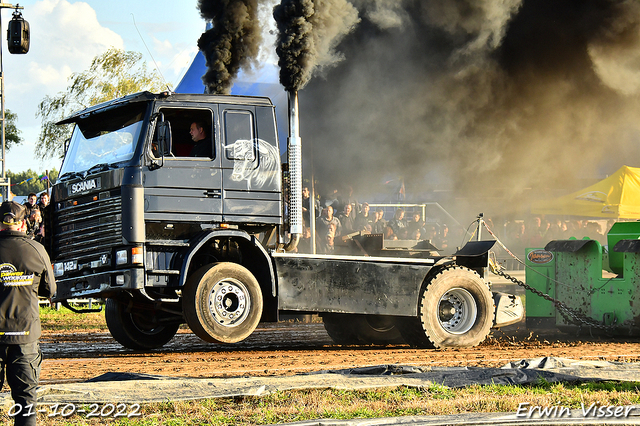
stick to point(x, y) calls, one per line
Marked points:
point(166, 243)
point(163, 272)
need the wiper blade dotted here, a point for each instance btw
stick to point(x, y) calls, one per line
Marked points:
point(99, 168)
point(95, 169)
point(69, 175)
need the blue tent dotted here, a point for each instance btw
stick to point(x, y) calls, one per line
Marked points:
point(262, 81)
point(192, 80)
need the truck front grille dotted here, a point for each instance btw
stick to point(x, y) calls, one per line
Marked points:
point(86, 227)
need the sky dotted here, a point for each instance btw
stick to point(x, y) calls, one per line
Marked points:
point(66, 35)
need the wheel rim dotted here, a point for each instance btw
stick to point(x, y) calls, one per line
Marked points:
point(457, 311)
point(229, 302)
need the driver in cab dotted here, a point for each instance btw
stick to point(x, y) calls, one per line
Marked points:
point(202, 141)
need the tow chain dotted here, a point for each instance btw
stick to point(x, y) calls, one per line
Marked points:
point(570, 315)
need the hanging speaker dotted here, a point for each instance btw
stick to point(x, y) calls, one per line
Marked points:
point(18, 34)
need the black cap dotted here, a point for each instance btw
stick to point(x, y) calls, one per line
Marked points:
point(14, 210)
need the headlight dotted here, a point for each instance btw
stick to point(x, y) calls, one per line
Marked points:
point(121, 257)
point(58, 269)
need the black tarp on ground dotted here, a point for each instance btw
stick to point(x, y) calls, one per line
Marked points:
point(141, 388)
point(130, 387)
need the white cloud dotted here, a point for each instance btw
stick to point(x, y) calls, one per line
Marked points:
point(163, 47)
point(66, 37)
point(47, 74)
point(172, 58)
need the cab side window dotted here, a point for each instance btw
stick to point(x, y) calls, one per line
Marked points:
point(238, 126)
point(192, 133)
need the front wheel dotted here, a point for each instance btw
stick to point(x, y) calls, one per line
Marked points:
point(455, 311)
point(222, 302)
point(137, 328)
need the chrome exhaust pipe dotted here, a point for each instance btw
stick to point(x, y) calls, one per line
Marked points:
point(294, 148)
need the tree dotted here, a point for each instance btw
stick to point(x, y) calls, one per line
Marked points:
point(23, 183)
point(111, 75)
point(11, 132)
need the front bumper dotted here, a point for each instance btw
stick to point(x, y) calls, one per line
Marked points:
point(99, 284)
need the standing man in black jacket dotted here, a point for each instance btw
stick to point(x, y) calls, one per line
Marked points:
point(25, 274)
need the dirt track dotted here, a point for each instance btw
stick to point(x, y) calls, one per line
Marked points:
point(289, 348)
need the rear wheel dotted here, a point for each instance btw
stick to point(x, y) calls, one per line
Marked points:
point(353, 329)
point(138, 329)
point(376, 329)
point(455, 310)
point(222, 302)
point(338, 327)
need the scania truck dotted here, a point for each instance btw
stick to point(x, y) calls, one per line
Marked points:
point(165, 238)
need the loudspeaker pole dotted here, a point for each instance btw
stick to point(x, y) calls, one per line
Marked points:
point(5, 182)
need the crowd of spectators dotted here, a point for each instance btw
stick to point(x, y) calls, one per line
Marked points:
point(340, 215)
point(35, 215)
point(536, 232)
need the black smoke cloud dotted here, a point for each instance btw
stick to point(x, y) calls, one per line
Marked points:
point(232, 43)
point(485, 98)
point(308, 32)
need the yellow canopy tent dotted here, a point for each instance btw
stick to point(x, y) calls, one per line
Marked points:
point(616, 197)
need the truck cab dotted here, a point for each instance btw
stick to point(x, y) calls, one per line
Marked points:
point(133, 211)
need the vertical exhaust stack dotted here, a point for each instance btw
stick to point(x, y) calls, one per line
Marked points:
point(294, 148)
point(307, 32)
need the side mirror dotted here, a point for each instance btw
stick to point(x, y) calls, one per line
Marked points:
point(164, 138)
point(161, 144)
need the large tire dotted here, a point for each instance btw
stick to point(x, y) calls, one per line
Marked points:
point(138, 330)
point(455, 310)
point(338, 327)
point(222, 302)
point(352, 329)
point(376, 329)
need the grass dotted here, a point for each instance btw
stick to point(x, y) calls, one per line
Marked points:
point(64, 319)
point(291, 406)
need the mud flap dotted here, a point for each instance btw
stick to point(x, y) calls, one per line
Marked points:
point(475, 255)
point(509, 309)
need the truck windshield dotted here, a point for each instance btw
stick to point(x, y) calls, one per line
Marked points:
point(103, 139)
